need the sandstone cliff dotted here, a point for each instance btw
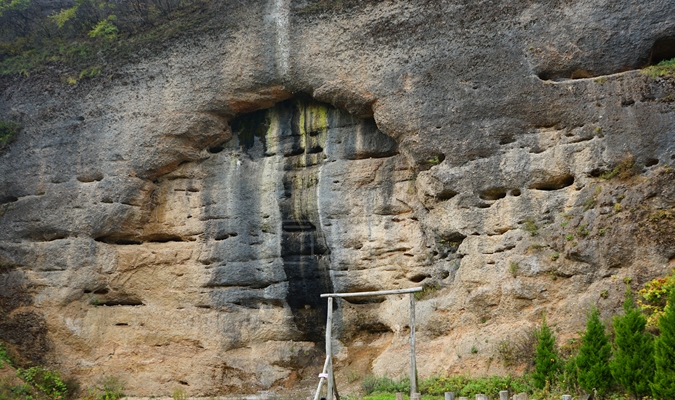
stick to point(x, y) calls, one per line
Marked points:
point(174, 222)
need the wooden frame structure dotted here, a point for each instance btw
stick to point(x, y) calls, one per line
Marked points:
point(328, 375)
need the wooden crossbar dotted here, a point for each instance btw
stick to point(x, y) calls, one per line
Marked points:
point(378, 293)
point(328, 367)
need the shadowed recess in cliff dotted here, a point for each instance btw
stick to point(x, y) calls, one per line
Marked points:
point(299, 136)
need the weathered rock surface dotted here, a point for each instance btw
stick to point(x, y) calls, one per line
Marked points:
point(174, 224)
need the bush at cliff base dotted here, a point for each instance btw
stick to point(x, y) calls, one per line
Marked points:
point(593, 360)
point(664, 354)
point(546, 364)
point(633, 363)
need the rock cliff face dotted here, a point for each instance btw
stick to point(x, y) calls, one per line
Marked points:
point(174, 222)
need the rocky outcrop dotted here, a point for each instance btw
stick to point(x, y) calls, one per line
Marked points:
point(174, 223)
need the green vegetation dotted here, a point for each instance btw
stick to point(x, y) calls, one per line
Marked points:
point(531, 227)
point(663, 386)
point(555, 256)
point(45, 380)
point(589, 203)
point(372, 384)
point(653, 298)
point(513, 269)
point(4, 357)
point(546, 364)
point(633, 362)
point(662, 69)
point(8, 131)
point(179, 394)
point(590, 364)
point(384, 388)
point(625, 169)
point(82, 32)
point(593, 372)
point(518, 350)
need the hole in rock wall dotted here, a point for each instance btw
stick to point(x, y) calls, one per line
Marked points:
point(299, 138)
point(663, 49)
point(554, 183)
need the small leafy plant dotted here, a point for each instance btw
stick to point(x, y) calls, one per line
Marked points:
point(662, 69)
point(45, 380)
point(8, 130)
point(531, 227)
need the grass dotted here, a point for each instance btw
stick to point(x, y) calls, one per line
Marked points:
point(625, 169)
point(663, 69)
point(531, 227)
point(513, 269)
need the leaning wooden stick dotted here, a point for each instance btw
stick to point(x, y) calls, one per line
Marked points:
point(322, 377)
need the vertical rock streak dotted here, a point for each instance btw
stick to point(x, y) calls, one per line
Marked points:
point(282, 11)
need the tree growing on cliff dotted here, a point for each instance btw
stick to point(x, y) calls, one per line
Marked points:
point(664, 354)
point(546, 364)
point(633, 363)
point(593, 371)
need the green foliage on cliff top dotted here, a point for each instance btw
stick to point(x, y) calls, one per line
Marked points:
point(77, 34)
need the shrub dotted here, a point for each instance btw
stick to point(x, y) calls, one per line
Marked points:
point(4, 357)
point(8, 130)
point(653, 297)
point(105, 28)
point(46, 381)
point(664, 354)
point(633, 363)
point(593, 371)
point(546, 364)
point(664, 68)
point(531, 227)
point(624, 169)
point(112, 388)
point(518, 350)
point(470, 387)
point(373, 384)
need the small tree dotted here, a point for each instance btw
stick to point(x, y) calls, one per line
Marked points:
point(664, 354)
point(546, 363)
point(633, 363)
point(593, 371)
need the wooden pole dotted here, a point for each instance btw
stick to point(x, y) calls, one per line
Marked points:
point(321, 380)
point(413, 361)
point(329, 349)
